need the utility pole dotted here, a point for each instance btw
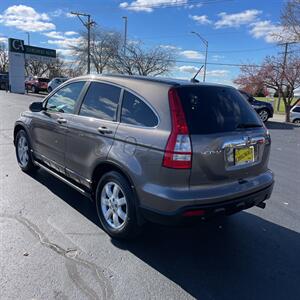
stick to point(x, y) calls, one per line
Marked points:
point(205, 42)
point(282, 74)
point(125, 33)
point(88, 26)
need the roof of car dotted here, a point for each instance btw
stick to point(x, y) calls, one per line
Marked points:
point(115, 78)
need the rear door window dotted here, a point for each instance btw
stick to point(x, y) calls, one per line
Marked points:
point(214, 109)
point(136, 112)
point(296, 109)
point(101, 101)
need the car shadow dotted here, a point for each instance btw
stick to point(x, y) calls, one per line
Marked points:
point(281, 125)
point(239, 257)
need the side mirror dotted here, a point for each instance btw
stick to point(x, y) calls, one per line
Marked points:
point(36, 106)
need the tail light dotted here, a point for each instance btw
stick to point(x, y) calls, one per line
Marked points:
point(178, 152)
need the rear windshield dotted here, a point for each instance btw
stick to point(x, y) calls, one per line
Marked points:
point(213, 109)
point(43, 79)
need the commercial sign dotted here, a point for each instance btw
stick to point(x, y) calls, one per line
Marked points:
point(18, 52)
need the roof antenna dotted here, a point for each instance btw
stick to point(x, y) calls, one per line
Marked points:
point(194, 80)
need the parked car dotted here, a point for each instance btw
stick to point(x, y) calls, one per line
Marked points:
point(55, 82)
point(4, 81)
point(148, 149)
point(36, 84)
point(264, 109)
point(295, 114)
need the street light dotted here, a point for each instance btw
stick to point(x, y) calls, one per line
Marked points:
point(125, 33)
point(28, 38)
point(205, 42)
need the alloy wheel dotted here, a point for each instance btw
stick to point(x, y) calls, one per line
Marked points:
point(264, 115)
point(114, 205)
point(23, 151)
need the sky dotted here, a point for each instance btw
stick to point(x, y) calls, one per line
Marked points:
point(237, 31)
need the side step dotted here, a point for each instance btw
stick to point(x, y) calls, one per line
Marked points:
point(63, 179)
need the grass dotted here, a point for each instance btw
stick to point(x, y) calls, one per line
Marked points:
point(281, 108)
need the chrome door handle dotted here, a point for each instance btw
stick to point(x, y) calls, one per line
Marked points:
point(104, 130)
point(61, 120)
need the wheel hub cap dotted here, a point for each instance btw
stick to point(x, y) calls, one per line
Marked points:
point(23, 151)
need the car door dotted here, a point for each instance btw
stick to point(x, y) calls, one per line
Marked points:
point(92, 130)
point(49, 127)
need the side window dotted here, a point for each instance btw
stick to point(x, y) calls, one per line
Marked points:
point(101, 101)
point(297, 109)
point(137, 112)
point(64, 100)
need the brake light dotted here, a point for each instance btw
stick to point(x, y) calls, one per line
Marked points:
point(178, 152)
point(194, 213)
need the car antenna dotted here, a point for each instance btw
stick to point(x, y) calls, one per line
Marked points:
point(194, 80)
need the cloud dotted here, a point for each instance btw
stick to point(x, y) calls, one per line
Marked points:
point(149, 5)
point(266, 30)
point(68, 33)
point(191, 54)
point(217, 73)
point(217, 57)
point(170, 47)
point(235, 20)
point(26, 18)
point(188, 69)
point(65, 52)
point(54, 35)
point(65, 42)
point(203, 20)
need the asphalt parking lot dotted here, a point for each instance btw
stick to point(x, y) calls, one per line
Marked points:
point(52, 245)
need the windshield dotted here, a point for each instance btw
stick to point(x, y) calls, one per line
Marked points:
point(214, 109)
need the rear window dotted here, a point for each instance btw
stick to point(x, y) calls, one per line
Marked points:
point(213, 109)
point(43, 79)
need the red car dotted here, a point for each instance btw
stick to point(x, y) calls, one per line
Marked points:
point(36, 84)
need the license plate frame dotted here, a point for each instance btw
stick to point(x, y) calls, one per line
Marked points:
point(244, 155)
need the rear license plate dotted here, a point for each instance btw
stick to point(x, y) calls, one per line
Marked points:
point(243, 155)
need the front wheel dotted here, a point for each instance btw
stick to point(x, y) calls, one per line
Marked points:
point(264, 115)
point(23, 152)
point(116, 209)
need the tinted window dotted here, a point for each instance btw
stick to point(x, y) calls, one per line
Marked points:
point(64, 100)
point(296, 109)
point(101, 101)
point(136, 112)
point(43, 79)
point(211, 109)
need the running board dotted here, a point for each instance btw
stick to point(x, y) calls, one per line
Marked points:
point(74, 186)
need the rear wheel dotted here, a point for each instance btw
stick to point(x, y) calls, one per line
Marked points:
point(296, 121)
point(2, 86)
point(115, 203)
point(23, 152)
point(264, 115)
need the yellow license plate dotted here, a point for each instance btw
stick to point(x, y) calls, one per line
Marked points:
point(244, 155)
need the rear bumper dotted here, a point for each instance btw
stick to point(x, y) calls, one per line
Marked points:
point(209, 210)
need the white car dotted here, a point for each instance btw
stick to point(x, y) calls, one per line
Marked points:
point(295, 114)
point(55, 82)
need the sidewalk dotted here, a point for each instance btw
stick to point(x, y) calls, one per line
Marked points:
point(278, 118)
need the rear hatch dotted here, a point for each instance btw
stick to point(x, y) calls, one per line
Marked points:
point(229, 141)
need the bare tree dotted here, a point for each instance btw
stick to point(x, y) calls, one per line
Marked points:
point(105, 45)
point(274, 75)
point(290, 18)
point(36, 67)
point(140, 61)
point(3, 58)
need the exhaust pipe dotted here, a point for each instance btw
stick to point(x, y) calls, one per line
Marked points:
point(261, 205)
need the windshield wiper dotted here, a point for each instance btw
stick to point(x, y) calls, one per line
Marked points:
point(248, 125)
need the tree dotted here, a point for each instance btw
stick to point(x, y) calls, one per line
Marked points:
point(105, 45)
point(137, 60)
point(274, 75)
point(3, 58)
point(290, 18)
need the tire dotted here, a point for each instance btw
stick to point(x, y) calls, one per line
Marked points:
point(120, 221)
point(24, 157)
point(264, 115)
point(49, 89)
point(296, 121)
point(34, 89)
point(2, 86)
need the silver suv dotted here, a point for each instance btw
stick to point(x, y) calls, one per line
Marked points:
point(149, 149)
